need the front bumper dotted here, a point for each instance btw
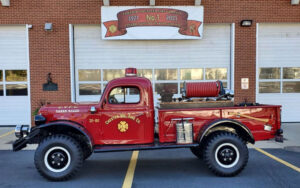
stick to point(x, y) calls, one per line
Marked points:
point(22, 131)
point(25, 137)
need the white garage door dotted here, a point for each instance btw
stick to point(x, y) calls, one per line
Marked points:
point(14, 76)
point(278, 67)
point(167, 63)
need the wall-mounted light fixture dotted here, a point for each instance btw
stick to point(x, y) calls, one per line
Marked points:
point(106, 2)
point(48, 26)
point(295, 2)
point(197, 2)
point(246, 23)
point(152, 2)
point(5, 3)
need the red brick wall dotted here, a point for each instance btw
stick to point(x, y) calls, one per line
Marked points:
point(49, 51)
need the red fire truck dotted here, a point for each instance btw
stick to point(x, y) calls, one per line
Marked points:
point(124, 120)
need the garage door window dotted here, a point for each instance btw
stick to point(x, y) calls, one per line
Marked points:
point(291, 77)
point(15, 75)
point(89, 81)
point(191, 74)
point(89, 89)
point(16, 89)
point(110, 74)
point(166, 74)
point(13, 83)
point(147, 73)
point(166, 81)
point(92, 81)
point(279, 80)
point(216, 74)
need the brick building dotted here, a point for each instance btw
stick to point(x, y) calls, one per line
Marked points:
point(266, 53)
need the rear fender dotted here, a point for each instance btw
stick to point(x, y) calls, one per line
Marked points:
point(226, 125)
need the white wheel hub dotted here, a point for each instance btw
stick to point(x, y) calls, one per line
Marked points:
point(227, 155)
point(57, 159)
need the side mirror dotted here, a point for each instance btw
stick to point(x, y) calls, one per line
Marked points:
point(93, 109)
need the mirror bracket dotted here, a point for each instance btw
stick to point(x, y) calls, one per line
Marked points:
point(93, 109)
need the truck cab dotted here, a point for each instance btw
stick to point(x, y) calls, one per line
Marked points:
point(126, 112)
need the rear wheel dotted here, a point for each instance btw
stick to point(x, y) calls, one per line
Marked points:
point(226, 154)
point(58, 157)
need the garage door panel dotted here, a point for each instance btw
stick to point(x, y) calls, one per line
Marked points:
point(290, 108)
point(279, 47)
point(151, 53)
point(13, 46)
point(14, 109)
point(213, 51)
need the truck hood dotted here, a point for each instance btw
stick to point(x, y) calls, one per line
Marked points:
point(66, 111)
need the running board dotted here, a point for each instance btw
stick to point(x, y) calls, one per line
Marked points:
point(152, 146)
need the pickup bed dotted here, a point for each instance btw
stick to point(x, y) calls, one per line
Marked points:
point(123, 120)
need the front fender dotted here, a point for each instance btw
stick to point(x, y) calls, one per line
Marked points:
point(53, 126)
point(73, 125)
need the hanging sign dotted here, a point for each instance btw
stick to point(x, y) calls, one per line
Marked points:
point(140, 23)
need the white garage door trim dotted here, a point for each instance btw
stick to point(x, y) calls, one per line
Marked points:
point(74, 84)
point(72, 62)
point(278, 47)
point(15, 109)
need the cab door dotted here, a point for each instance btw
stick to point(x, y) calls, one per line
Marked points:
point(124, 116)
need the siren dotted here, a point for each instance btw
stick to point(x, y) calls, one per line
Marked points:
point(130, 72)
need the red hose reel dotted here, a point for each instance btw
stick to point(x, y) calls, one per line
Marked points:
point(203, 89)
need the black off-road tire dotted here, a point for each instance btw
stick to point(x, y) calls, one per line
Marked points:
point(225, 154)
point(197, 151)
point(57, 148)
point(86, 152)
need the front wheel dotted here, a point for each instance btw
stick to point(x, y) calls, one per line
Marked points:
point(197, 151)
point(226, 154)
point(58, 157)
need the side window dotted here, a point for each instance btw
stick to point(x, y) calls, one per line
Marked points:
point(124, 95)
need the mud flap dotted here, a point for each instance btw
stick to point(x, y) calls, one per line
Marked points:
point(279, 136)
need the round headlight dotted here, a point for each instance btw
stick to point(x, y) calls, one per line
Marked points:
point(39, 120)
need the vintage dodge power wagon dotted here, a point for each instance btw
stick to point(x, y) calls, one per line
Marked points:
point(124, 120)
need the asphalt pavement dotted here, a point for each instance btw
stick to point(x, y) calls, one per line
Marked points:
point(159, 168)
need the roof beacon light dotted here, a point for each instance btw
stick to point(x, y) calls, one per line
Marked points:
point(130, 72)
